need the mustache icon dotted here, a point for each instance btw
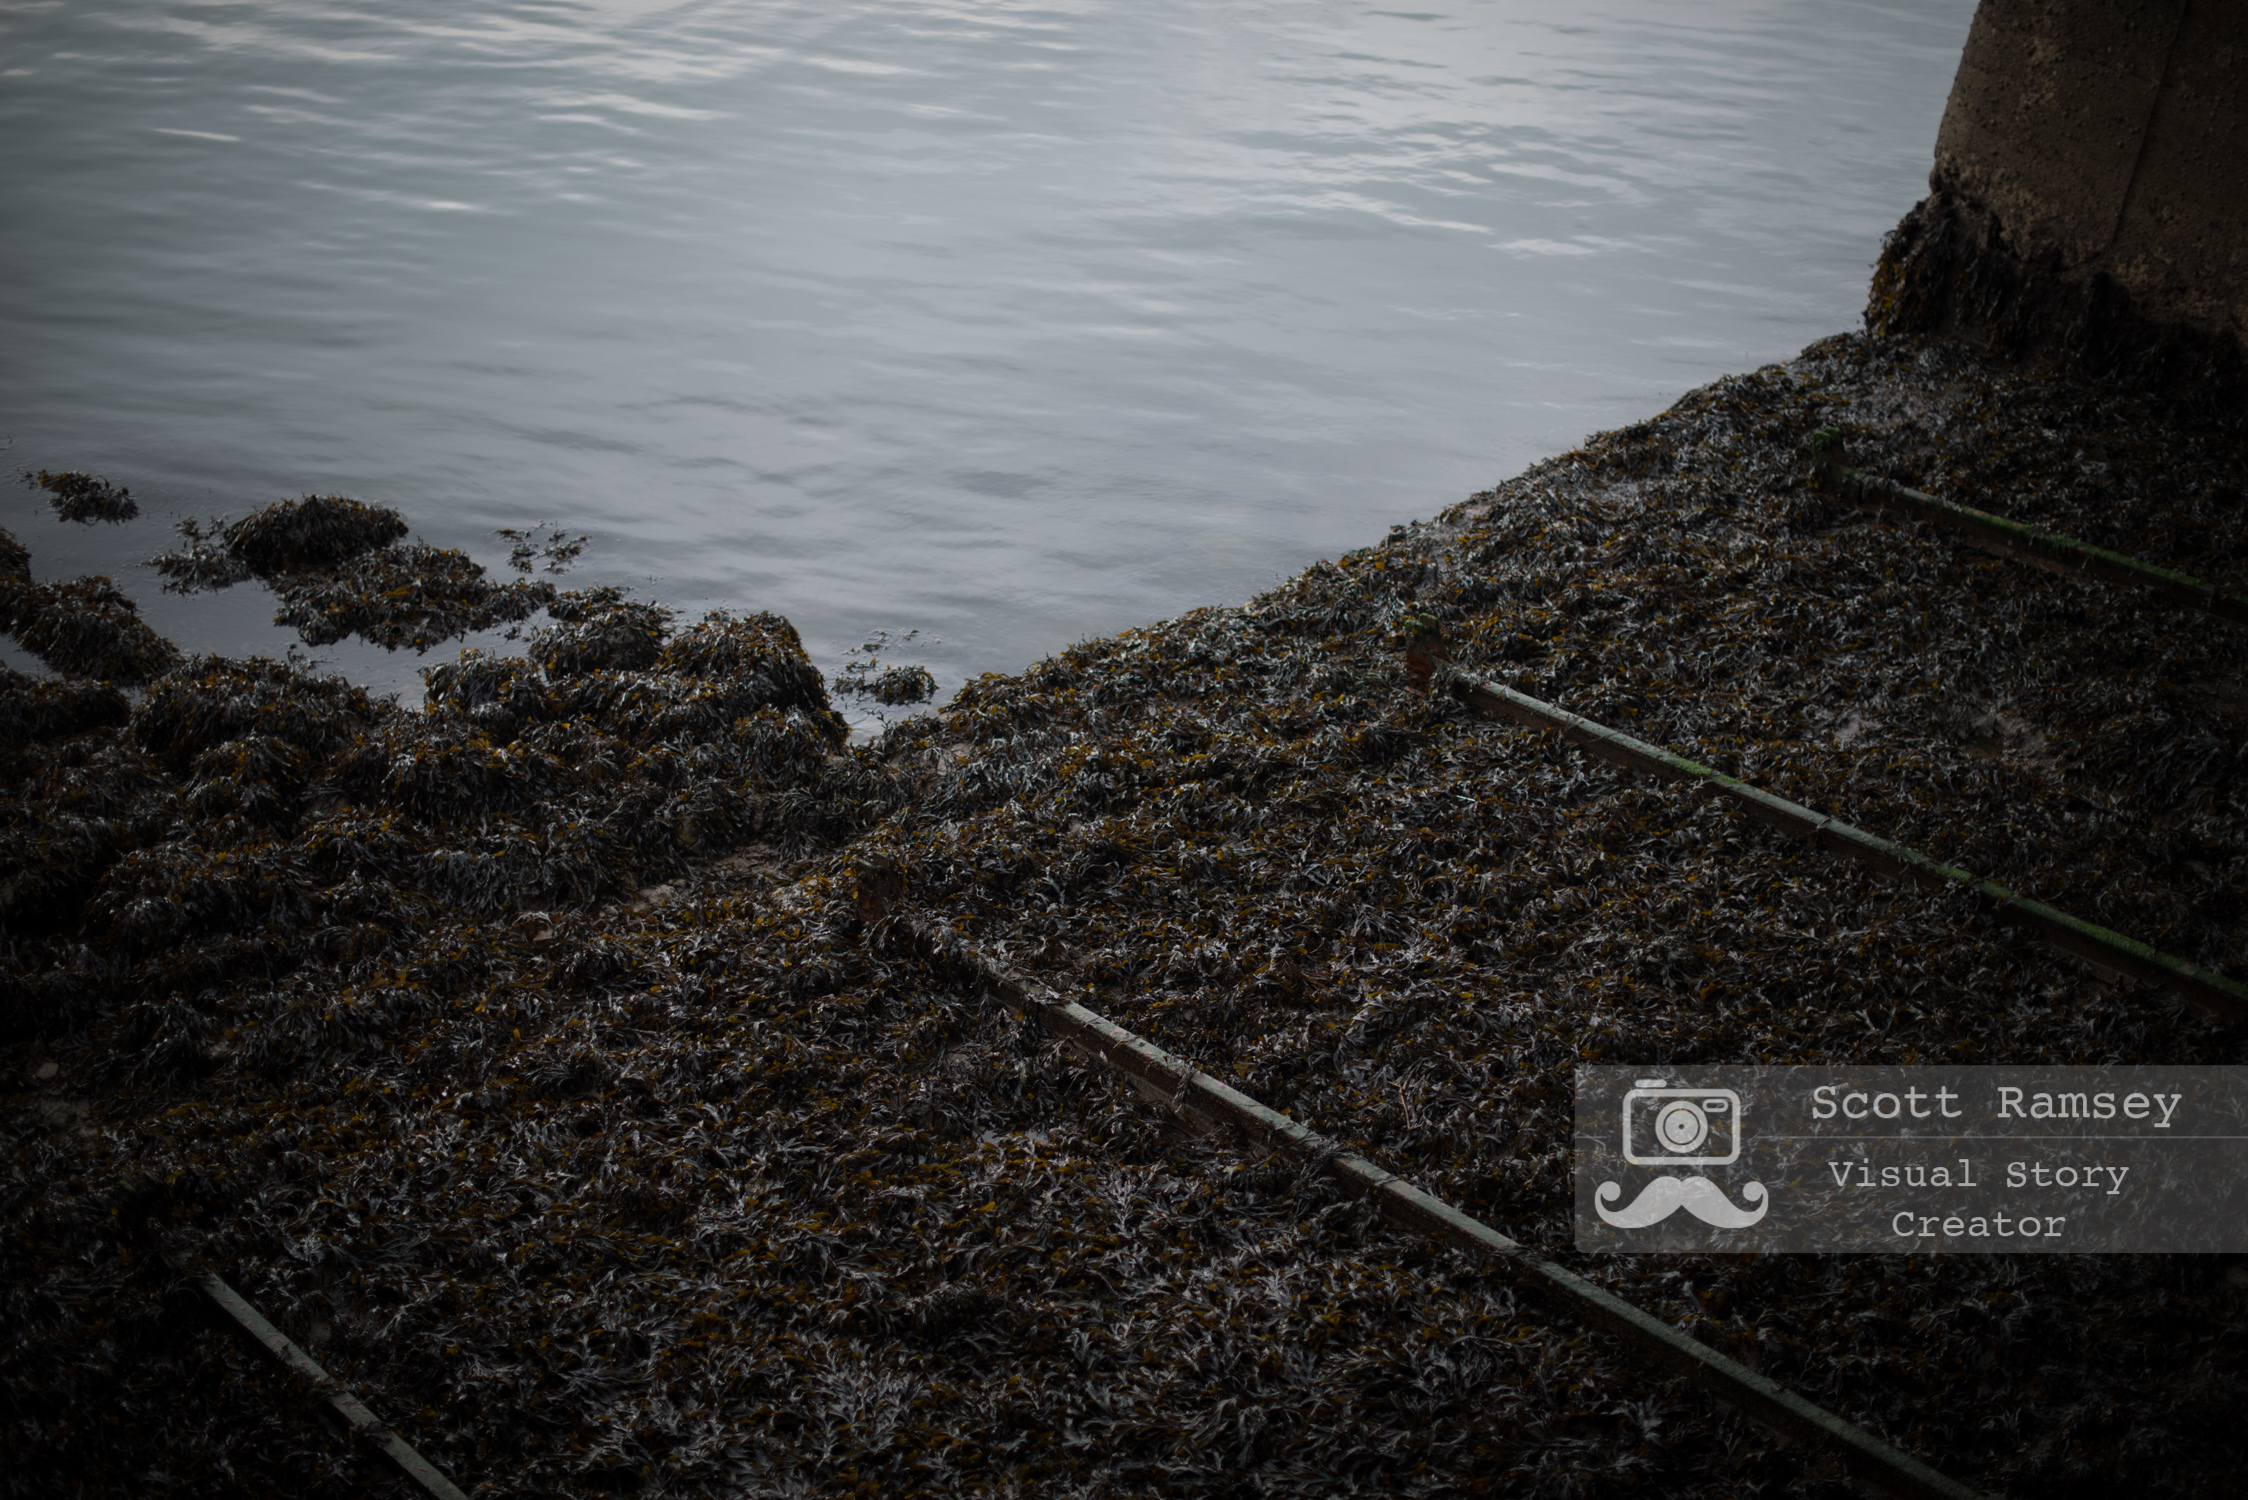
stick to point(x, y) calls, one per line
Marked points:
point(1664, 1196)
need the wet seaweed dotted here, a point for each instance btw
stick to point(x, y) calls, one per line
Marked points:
point(528, 544)
point(899, 685)
point(86, 627)
point(15, 559)
point(341, 568)
point(83, 497)
point(892, 687)
point(405, 596)
point(316, 533)
point(243, 819)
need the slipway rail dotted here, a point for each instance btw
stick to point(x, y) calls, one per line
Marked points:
point(2028, 544)
point(2226, 998)
point(1212, 1107)
point(329, 1397)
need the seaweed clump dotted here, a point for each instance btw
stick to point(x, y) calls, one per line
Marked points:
point(893, 687)
point(317, 532)
point(85, 627)
point(83, 497)
point(342, 567)
point(896, 686)
point(245, 820)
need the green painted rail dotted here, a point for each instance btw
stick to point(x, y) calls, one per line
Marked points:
point(1214, 1107)
point(2226, 998)
point(328, 1395)
point(2029, 544)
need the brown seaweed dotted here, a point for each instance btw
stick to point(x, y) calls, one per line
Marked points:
point(15, 559)
point(341, 567)
point(404, 596)
point(892, 687)
point(899, 685)
point(527, 544)
point(314, 534)
point(86, 627)
point(84, 497)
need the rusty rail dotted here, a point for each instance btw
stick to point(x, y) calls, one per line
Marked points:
point(329, 1396)
point(2226, 998)
point(2033, 545)
point(1212, 1107)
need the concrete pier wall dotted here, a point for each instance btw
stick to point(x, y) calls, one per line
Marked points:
point(2090, 191)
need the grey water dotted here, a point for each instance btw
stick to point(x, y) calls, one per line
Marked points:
point(1011, 322)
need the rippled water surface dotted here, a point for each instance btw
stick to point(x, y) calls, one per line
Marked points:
point(1010, 323)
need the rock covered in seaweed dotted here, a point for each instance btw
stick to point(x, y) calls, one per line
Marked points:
point(341, 567)
point(311, 535)
point(405, 596)
point(86, 627)
point(600, 630)
point(245, 819)
point(83, 627)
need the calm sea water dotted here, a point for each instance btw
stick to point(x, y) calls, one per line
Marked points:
point(1011, 323)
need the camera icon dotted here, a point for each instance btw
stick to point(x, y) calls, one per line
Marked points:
point(1667, 1127)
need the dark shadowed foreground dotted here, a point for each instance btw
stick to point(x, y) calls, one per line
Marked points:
point(524, 1057)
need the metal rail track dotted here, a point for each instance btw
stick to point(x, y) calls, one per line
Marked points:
point(2222, 997)
point(330, 1398)
point(2033, 545)
point(1211, 1106)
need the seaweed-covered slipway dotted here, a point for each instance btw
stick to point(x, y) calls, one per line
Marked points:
point(526, 1060)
